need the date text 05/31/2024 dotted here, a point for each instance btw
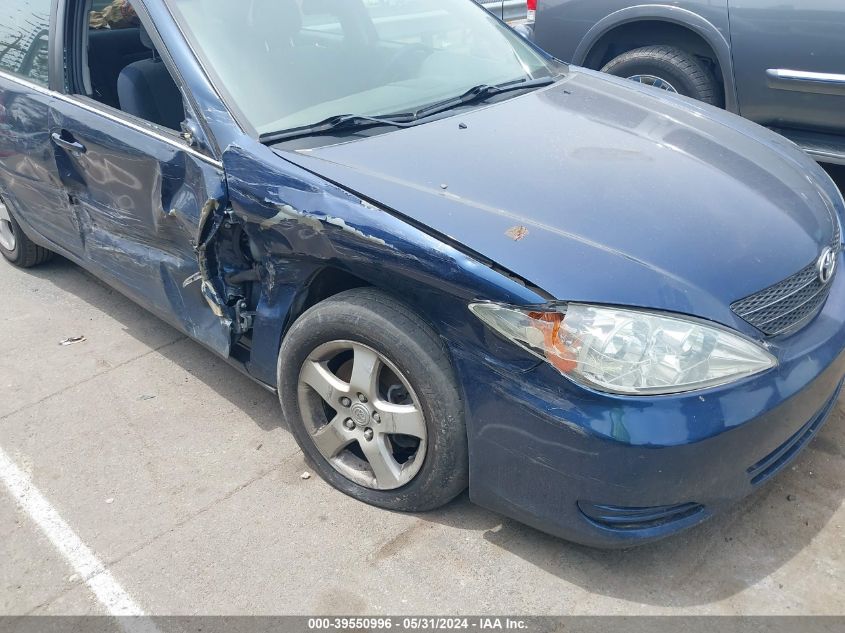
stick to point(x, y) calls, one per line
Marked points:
point(417, 623)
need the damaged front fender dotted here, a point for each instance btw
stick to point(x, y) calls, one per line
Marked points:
point(289, 227)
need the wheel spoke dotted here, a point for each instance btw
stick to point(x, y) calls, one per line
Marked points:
point(386, 469)
point(324, 382)
point(4, 213)
point(360, 441)
point(332, 438)
point(365, 370)
point(404, 419)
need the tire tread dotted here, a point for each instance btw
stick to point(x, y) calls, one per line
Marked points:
point(33, 255)
point(702, 79)
point(448, 474)
point(27, 254)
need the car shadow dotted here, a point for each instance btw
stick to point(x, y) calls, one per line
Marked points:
point(712, 562)
point(248, 396)
point(719, 559)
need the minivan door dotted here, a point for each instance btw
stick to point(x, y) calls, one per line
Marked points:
point(789, 62)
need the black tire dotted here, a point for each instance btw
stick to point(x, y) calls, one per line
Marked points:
point(683, 71)
point(25, 253)
point(371, 318)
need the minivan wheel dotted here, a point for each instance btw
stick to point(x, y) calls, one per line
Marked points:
point(667, 68)
point(370, 396)
point(15, 245)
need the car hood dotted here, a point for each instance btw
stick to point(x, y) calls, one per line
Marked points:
point(599, 190)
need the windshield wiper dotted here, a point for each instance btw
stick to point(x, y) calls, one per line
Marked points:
point(337, 123)
point(479, 93)
point(408, 119)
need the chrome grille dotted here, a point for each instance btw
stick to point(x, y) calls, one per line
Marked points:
point(789, 304)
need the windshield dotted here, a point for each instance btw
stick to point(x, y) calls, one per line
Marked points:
point(290, 63)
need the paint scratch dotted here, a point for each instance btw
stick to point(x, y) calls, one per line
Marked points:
point(517, 233)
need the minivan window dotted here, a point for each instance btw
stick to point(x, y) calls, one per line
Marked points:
point(291, 63)
point(24, 38)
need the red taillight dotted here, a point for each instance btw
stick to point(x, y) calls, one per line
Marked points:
point(532, 9)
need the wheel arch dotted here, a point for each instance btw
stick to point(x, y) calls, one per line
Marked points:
point(645, 25)
point(324, 284)
point(330, 281)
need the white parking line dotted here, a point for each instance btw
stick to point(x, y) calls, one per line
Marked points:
point(83, 561)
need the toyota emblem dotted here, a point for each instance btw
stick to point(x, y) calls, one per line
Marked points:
point(826, 265)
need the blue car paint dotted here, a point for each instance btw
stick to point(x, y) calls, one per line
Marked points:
point(374, 211)
point(303, 225)
point(26, 156)
point(596, 204)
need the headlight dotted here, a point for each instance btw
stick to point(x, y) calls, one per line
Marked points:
point(630, 352)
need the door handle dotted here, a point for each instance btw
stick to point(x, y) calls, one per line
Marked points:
point(69, 144)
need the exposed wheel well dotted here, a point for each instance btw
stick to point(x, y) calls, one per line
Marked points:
point(652, 32)
point(326, 283)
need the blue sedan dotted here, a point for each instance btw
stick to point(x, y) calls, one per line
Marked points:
point(606, 309)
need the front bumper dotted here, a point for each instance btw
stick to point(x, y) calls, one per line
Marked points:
point(612, 471)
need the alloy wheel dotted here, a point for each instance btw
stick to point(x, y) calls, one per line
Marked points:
point(655, 82)
point(8, 240)
point(362, 415)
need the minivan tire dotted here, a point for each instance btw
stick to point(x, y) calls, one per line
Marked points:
point(683, 71)
point(371, 318)
point(25, 253)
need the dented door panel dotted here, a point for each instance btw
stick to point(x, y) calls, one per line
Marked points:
point(137, 200)
point(29, 182)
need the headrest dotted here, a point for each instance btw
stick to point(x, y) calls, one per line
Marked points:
point(146, 40)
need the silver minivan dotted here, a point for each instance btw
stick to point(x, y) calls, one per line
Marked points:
point(780, 63)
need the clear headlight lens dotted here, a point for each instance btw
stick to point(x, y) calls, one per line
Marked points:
point(630, 352)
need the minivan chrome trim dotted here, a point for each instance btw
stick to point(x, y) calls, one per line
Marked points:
point(805, 81)
point(94, 109)
point(803, 75)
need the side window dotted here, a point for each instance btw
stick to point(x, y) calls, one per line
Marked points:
point(24, 37)
point(124, 70)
